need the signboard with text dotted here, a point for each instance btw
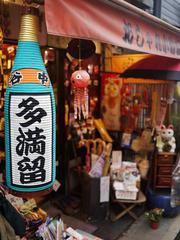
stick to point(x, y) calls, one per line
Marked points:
point(30, 125)
point(108, 22)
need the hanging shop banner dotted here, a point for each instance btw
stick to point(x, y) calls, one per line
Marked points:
point(114, 22)
point(110, 100)
point(30, 127)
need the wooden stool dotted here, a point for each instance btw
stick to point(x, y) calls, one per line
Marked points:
point(128, 205)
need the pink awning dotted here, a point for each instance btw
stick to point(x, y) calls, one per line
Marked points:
point(115, 22)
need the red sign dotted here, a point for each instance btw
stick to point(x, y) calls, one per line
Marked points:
point(109, 22)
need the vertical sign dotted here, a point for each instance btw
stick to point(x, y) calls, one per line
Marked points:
point(31, 131)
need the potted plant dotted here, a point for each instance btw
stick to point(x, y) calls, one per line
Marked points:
point(154, 216)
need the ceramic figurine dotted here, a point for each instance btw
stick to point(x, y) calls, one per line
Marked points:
point(165, 141)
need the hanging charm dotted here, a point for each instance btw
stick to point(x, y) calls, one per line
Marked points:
point(80, 81)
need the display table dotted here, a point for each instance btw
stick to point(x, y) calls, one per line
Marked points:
point(128, 205)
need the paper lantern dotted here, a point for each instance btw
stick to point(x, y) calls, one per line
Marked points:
point(30, 123)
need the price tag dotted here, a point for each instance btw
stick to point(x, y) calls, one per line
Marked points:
point(56, 185)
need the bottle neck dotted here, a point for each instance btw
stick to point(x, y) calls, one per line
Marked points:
point(28, 29)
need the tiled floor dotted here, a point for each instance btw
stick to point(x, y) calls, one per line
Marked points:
point(168, 230)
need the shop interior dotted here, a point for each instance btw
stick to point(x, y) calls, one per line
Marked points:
point(120, 151)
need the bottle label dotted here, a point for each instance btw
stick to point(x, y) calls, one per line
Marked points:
point(31, 139)
point(23, 76)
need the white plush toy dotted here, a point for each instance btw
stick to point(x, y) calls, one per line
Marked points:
point(165, 141)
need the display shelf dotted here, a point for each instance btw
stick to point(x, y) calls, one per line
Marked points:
point(164, 164)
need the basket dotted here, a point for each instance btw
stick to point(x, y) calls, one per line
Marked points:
point(126, 195)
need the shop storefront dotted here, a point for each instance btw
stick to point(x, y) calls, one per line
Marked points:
point(113, 134)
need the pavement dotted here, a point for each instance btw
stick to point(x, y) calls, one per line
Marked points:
point(140, 230)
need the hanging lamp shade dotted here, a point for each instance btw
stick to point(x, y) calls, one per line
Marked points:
point(81, 48)
point(30, 123)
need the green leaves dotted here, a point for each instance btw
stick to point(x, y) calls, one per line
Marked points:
point(154, 214)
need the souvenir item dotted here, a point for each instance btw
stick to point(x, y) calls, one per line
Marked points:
point(30, 124)
point(80, 81)
point(165, 140)
point(126, 101)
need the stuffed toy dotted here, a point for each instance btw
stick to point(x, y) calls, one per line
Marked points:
point(165, 141)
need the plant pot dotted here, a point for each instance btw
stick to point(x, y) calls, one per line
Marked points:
point(154, 225)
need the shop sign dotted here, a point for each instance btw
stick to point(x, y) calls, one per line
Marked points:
point(144, 37)
point(108, 22)
point(30, 130)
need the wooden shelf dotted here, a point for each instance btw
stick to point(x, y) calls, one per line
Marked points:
point(164, 164)
point(161, 186)
point(166, 153)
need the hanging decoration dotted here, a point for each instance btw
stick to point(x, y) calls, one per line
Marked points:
point(81, 48)
point(80, 81)
point(30, 123)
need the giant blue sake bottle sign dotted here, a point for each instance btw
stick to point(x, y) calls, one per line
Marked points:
point(30, 124)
